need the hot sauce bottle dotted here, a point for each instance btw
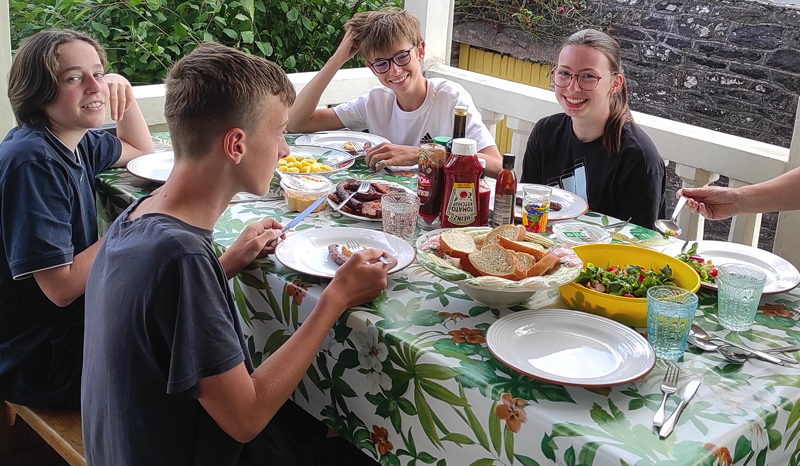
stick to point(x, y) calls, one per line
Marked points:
point(462, 174)
point(505, 193)
point(484, 193)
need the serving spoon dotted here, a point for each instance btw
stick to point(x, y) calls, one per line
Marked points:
point(671, 225)
point(706, 342)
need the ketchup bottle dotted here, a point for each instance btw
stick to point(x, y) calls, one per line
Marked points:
point(462, 174)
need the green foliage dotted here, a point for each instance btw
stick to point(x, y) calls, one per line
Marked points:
point(144, 37)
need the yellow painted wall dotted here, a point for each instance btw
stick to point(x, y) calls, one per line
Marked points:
point(502, 66)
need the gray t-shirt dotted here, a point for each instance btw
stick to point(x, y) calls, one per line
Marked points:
point(160, 317)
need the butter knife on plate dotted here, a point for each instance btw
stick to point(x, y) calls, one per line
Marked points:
point(686, 394)
point(300, 217)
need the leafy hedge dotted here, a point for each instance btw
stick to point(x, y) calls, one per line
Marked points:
point(144, 37)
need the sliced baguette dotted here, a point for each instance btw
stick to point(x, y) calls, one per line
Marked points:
point(495, 261)
point(534, 249)
point(527, 261)
point(548, 262)
point(511, 232)
point(456, 243)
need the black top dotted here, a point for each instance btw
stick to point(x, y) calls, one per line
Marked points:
point(160, 317)
point(630, 183)
point(47, 216)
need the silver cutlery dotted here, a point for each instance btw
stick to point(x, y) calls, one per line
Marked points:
point(246, 200)
point(663, 226)
point(668, 386)
point(299, 217)
point(362, 188)
point(686, 394)
point(355, 245)
point(618, 226)
point(358, 148)
point(732, 354)
point(698, 335)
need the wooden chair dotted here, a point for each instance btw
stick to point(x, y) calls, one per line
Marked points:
point(60, 428)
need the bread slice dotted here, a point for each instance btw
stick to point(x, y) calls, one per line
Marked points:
point(526, 260)
point(512, 232)
point(493, 260)
point(547, 263)
point(456, 243)
point(534, 249)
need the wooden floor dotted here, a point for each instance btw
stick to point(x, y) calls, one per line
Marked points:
point(21, 446)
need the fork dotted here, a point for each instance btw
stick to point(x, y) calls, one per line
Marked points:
point(362, 188)
point(668, 386)
point(355, 245)
point(358, 147)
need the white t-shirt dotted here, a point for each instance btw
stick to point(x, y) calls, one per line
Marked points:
point(378, 111)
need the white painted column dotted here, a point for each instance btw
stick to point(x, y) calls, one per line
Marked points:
point(7, 120)
point(436, 22)
point(491, 119)
point(693, 224)
point(786, 234)
point(745, 228)
point(521, 131)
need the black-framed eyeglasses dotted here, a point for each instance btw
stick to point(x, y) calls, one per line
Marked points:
point(383, 65)
point(586, 81)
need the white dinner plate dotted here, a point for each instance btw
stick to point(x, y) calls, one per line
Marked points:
point(326, 155)
point(307, 251)
point(336, 140)
point(153, 167)
point(781, 275)
point(570, 347)
point(359, 217)
point(572, 205)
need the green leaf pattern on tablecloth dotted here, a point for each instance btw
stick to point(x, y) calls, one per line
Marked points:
point(409, 379)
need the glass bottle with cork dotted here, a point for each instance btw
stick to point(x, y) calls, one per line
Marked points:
point(462, 174)
point(484, 193)
point(505, 193)
point(430, 185)
point(459, 127)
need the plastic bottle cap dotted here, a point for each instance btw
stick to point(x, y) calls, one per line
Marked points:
point(441, 140)
point(464, 146)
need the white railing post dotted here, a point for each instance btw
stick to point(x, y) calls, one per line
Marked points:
point(786, 244)
point(745, 228)
point(7, 120)
point(520, 132)
point(693, 224)
point(436, 22)
point(491, 119)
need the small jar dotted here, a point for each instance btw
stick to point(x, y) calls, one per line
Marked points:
point(301, 191)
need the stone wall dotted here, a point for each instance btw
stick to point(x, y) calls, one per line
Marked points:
point(728, 65)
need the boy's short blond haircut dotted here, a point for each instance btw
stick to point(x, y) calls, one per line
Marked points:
point(215, 89)
point(380, 31)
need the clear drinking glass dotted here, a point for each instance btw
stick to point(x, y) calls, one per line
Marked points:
point(535, 207)
point(670, 311)
point(739, 291)
point(400, 214)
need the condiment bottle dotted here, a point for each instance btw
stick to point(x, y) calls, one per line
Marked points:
point(505, 193)
point(484, 193)
point(430, 185)
point(462, 174)
point(459, 127)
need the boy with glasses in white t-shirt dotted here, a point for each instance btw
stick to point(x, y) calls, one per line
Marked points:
point(407, 109)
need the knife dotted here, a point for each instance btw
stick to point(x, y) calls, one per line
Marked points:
point(300, 217)
point(688, 392)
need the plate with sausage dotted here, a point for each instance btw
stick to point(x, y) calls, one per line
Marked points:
point(363, 206)
point(564, 205)
point(319, 251)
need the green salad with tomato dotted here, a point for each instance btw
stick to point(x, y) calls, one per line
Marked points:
point(704, 268)
point(631, 281)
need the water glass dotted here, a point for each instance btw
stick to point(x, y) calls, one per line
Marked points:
point(535, 207)
point(400, 214)
point(670, 311)
point(739, 288)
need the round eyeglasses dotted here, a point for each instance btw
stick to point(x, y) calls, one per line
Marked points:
point(586, 81)
point(383, 65)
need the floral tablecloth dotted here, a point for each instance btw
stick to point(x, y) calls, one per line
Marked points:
point(408, 378)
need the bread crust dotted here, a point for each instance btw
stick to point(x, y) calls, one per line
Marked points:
point(493, 236)
point(519, 270)
point(549, 261)
point(447, 249)
point(531, 249)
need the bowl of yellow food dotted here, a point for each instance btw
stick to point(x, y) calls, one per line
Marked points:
point(313, 160)
point(301, 191)
point(615, 277)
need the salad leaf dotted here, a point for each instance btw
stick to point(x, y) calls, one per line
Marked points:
point(705, 269)
point(631, 280)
